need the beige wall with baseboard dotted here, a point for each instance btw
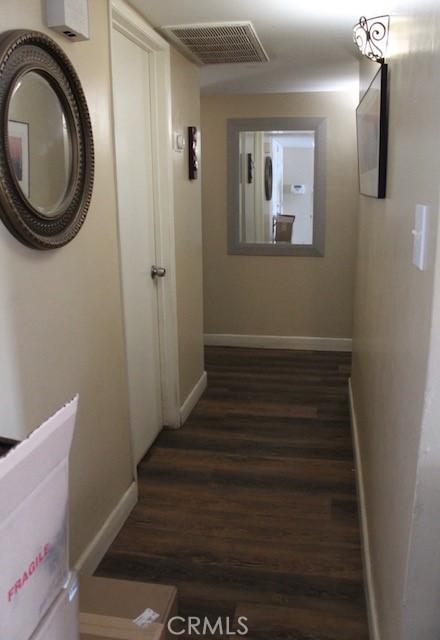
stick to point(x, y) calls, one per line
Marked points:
point(61, 328)
point(286, 296)
point(60, 311)
point(185, 86)
point(396, 395)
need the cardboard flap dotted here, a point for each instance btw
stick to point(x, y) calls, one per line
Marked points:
point(107, 627)
point(126, 598)
point(32, 460)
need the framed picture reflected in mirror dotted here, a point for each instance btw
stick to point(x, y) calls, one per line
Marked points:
point(18, 140)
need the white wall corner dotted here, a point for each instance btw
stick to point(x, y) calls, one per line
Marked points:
point(96, 550)
point(370, 592)
point(193, 398)
point(311, 343)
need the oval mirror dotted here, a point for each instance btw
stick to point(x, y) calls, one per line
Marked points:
point(40, 143)
point(46, 142)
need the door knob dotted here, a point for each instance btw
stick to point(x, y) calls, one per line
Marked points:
point(157, 272)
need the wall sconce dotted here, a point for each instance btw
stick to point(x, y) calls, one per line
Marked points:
point(371, 36)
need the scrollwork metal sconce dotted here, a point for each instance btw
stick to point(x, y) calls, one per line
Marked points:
point(371, 36)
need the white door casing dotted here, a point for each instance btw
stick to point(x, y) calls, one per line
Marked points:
point(146, 222)
point(137, 243)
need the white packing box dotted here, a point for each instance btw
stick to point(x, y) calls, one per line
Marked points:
point(61, 622)
point(34, 557)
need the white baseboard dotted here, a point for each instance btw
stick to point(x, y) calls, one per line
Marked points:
point(193, 398)
point(278, 342)
point(370, 592)
point(96, 550)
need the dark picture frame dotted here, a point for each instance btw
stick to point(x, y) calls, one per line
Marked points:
point(250, 168)
point(193, 160)
point(372, 136)
point(268, 178)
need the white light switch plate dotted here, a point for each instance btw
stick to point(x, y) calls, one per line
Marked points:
point(420, 237)
point(179, 142)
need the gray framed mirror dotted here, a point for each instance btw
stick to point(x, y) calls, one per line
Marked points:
point(46, 142)
point(276, 186)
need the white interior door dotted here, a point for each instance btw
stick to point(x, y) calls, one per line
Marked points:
point(134, 165)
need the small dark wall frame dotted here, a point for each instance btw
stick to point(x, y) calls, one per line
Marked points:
point(21, 52)
point(192, 153)
point(250, 168)
point(268, 178)
point(372, 136)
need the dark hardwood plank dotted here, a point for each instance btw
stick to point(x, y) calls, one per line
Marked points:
point(6, 445)
point(283, 623)
point(250, 509)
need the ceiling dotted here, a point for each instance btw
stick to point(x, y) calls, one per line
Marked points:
point(309, 42)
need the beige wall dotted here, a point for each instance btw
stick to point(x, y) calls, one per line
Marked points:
point(393, 393)
point(185, 84)
point(286, 296)
point(60, 311)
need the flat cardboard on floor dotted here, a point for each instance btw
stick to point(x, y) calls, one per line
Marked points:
point(34, 557)
point(126, 598)
point(93, 627)
point(61, 622)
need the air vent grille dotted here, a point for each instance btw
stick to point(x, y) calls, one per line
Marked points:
point(218, 43)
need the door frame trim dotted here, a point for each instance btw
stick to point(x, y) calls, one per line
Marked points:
point(131, 24)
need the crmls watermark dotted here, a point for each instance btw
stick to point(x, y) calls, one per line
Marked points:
point(195, 626)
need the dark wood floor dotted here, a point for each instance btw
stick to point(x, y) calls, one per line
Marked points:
point(250, 509)
point(6, 446)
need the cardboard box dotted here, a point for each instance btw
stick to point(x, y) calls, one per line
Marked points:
point(284, 228)
point(126, 598)
point(94, 626)
point(62, 620)
point(34, 524)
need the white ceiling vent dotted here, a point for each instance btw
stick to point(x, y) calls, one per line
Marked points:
point(218, 42)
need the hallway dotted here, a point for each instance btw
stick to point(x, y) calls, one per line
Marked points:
point(250, 509)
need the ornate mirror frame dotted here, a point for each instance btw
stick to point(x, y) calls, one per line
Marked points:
point(21, 52)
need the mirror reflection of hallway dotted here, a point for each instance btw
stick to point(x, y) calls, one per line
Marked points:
point(283, 213)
